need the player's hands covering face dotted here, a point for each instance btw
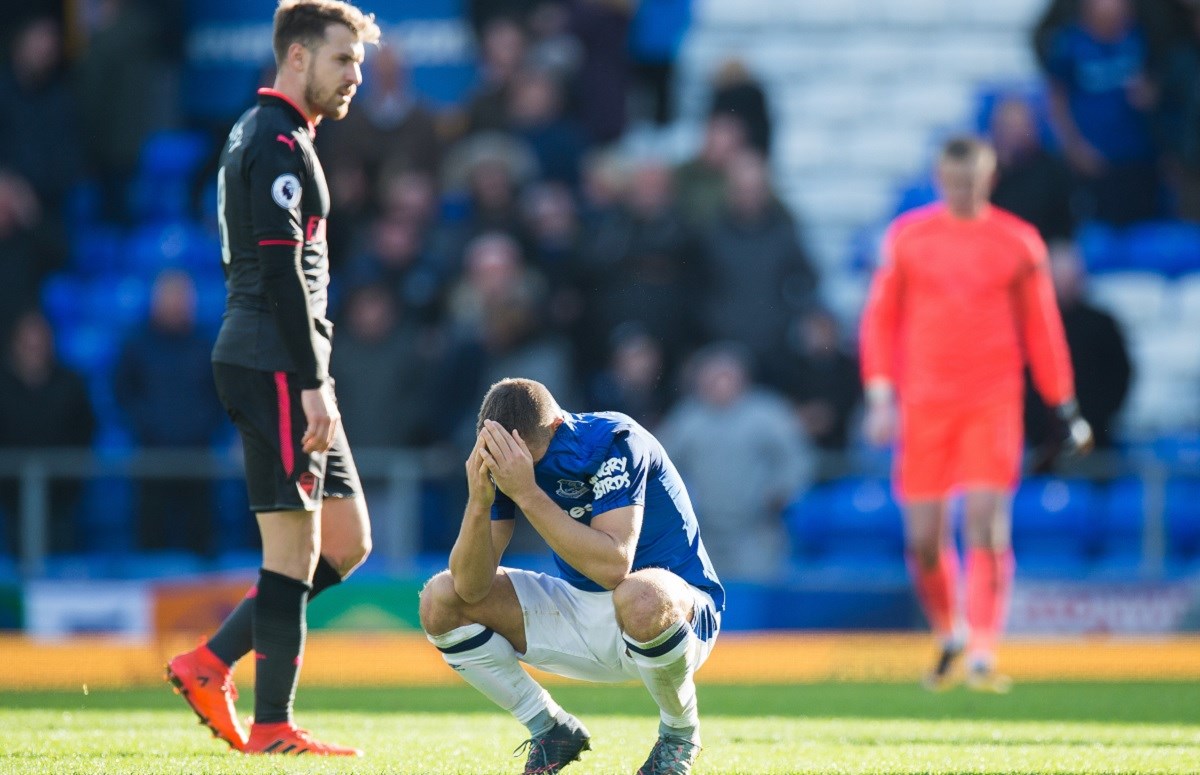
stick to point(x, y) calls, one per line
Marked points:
point(480, 489)
point(508, 459)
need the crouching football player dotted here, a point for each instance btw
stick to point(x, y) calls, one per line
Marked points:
point(635, 596)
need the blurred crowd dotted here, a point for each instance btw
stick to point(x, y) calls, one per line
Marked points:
point(510, 236)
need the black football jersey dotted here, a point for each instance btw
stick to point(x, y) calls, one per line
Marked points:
point(272, 201)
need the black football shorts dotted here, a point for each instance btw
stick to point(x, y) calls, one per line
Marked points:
point(280, 476)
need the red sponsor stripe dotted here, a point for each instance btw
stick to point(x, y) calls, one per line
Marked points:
point(252, 592)
point(284, 399)
point(291, 243)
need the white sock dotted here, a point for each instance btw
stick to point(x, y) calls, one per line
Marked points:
point(487, 661)
point(667, 665)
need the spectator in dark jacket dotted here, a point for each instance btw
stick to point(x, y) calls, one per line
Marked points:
point(760, 275)
point(1030, 182)
point(163, 384)
point(602, 82)
point(535, 116)
point(821, 378)
point(390, 130)
point(642, 263)
point(737, 93)
point(42, 405)
point(634, 381)
point(1098, 354)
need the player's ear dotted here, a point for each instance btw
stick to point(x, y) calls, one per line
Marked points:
point(297, 57)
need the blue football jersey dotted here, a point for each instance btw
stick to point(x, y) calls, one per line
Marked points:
point(604, 461)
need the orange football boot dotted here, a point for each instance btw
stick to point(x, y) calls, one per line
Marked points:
point(283, 737)
point(207, 684)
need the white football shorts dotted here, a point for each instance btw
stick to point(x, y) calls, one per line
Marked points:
point(573, 633)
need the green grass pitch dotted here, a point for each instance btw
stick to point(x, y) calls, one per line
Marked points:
point(821, 728)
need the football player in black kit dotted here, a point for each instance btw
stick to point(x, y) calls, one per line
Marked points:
point(271, 366)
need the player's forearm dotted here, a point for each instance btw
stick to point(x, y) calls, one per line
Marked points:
point(283, 283)
point(473, 559)
point(592, 552)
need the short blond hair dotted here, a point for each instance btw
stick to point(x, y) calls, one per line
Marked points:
point(304, 22)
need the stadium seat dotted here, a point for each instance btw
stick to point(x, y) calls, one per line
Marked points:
point(1172, 248)
point(1116, 529)
point(97, 249)
point(808, 519)
point(1182, 517)
point(1103, 248)
point(173, 153)
point(88, 347)
point(119, 303)
point(866, 525)
point(1050, 526)
point(172, 244)
point(62, 301)
point(1165, 350)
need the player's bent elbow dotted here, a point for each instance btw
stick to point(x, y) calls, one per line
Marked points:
point(471, 593)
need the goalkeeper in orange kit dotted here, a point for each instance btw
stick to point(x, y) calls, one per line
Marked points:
point(961, 302)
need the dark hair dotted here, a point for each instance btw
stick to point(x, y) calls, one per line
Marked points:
point(966, 148)
point(304, 22)
point(523, 405)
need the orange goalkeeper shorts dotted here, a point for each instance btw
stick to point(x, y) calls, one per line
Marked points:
point(946, 447)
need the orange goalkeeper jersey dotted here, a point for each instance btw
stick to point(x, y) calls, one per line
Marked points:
point(959, 306)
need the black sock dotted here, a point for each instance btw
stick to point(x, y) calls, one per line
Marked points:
point(279, 629)
point(235, 637)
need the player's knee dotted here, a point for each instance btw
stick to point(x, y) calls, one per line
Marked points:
point(347, 559)
point(438, 608)
point(926, 553)
point(644, 609)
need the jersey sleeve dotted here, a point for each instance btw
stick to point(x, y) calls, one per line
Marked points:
point(621, 479)
point(1041, 325)
point(503, 507)
point(878, 333)
point(276, 176)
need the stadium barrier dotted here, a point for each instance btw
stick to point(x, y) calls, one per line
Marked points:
point(374, 659)
point(394, 479)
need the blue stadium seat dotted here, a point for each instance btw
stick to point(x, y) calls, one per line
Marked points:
point(119, 303)
point(1182, 516)
point(1172, 248)
point(808, 519)
point(87, 347)
point(63, 301)
point(1116, 545)
point(866, 523)
point(174, 153)
point(83, 203)
point(1103, 248)
point(97, 250)
point(1051, 525)
point(176, 244)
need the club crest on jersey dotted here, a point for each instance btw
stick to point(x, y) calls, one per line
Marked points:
point(569, 488)
point(286, 191)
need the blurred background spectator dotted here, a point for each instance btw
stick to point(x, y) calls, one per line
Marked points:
point(43, 405)
point(162, 384)
point(1030, 181)
point(759, 273)
point(1103, 372)
point(1102, 92)
point(820, 376)
point(634, 380)
point(742, 457)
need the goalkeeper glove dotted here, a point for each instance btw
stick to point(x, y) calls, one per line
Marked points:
point(1078, 438)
